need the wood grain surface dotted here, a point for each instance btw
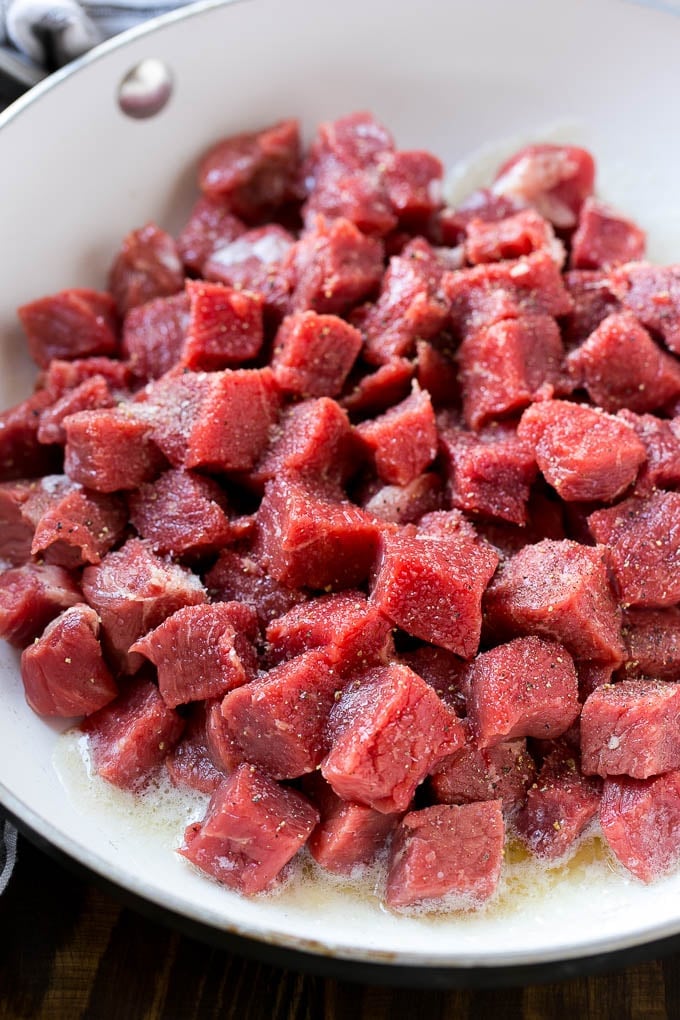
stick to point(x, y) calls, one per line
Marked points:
point(70, 950)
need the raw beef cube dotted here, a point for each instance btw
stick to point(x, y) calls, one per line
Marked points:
point(381, 389)
point(652, 293)
point(147, 266)
point(621, 367)
point(154, 335)
point(405, 504)
point(70, 324)
point(554, 179)
point(91, 395)
point(640, 820)
point(592, 675)
point(661, 440)
point(255, 262)
point(409, 307)
point(224, 754)
point(198, 653)
point(446, 851)
point(278, 722)
point(582, 452)
point(402, 442)
point(313, 354)
point(593, 302)
point(225, 326)
point(62, 376)
point(110, 450)
point(432, 587)
point(387, 732)
point(643, 547)
point(559, 807)
point(252, 829)
point(631, 728)
point(502, 772)
point(486, 294)
point(413, 183)
point(76, 527)
point(449, 225)
point(604, 238)
point(437, 373)
point(652, 638)
point(511, 237)
point(170, 407)
point(348, 835)
point(559, 590)
point(241, 577)
point(130, 737)
point(133, 590)
point(442, 670)
point(332, 267)
point(31, 596)
point(21, 453)
point(314, 440)
point(64, 672)
point(489, 473)
point(526, 688)
point(254, 172)
point(353, 634)
point(16, 530)
point(545, 519)
point(190, 764)
point(507, 366)
point(181, 513)
point(210, 226)
point(449, 524)
point(310, 540)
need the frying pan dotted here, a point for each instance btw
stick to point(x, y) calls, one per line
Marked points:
point(76, 173)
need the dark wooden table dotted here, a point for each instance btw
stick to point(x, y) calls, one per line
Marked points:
point(69, 950)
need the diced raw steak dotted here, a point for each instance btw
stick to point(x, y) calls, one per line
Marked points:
point(31, 596)
point(405, 504)
point(72, 526)
point(147, 266)
point(255, 261)
point(225, 326)
point(71, 324)
point(16, 531)
point(92, 394)
point(313, 354)
point(110, 450)
point(560, 806)
point(640, 820)
point(661, 440)
point(554, 179)
point(241, 577)
point(593, 302)
point(402, 442)
point(502, 772)
point(511, 237)
point(652, 293)
point(442, 670)
point(210, 226)
point(190, 763)
point(604, 238)
point(154, 334)
point(652, 638)
point(379, 390)
point(22, 455)
point(446, 851)
point(181, 513)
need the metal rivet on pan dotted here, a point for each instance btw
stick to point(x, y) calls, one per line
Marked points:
point(145, 89)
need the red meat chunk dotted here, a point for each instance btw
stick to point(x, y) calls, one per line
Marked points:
point(592, 675)
point(442, 670)
point(652, 638)
point(559, 590)
point(437, 373)
point(640, 820)
point(313, 354)
point(21, 453)
point(241, 577)
point(154, 335)
point(110, 450)
point(446, 851)
point(313, 440)
point(559, 807)
point(308, 539)
point(643, 547)
point(252, 829)
point(387, 732)
point(70, 324)
point(353, 634)
point(661, 440)
point(223, 753)
point(72, 526)
point(402, 442)
point(332, 267)
point(255, 262)
point(527, 688)
point(486, 294)
point(630, 728)
point(379, 390)
point(190, 763)
point(432, 587)
point(409, 306)
point(554, 179)
point(16, 529)
point(62, 376)
point(510, 238)
point(593, 302)
point(507, 366)
point(210, 226)
point(652, 293)
point(64, 672)
point(198, 653)
point(181, 513)
point(488, 473)
point(405, 504)
point(133, 590)
point(278, 722)
point(412, 181)
point(31, 596)
point(254, 172)
point(544, 520)
point(130, 737)
point(449, 226)
point(225, 326)
point(91, 395)
point(147, 266)
point(583, 453)
point(604, 238)
point(502, 772)
point(622, 367)
point(348, 835)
